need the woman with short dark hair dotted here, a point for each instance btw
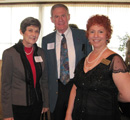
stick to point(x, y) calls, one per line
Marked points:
point(24, 76)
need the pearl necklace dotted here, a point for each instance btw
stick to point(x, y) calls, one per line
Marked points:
point(97, 56)
point(30, 52)
point(95, 60)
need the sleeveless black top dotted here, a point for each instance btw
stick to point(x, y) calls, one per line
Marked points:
point(96, 94)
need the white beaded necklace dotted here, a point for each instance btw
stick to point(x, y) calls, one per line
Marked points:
point(95, 60)
point(97, 56)
point(30, 52)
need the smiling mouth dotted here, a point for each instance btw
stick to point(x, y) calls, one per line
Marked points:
point(96, 40)
point(33, 38)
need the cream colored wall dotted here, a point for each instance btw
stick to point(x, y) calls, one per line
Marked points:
point(0, 91)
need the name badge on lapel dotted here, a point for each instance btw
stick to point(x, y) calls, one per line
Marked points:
point(38, 59)
point(50, 46)
point(105, 61)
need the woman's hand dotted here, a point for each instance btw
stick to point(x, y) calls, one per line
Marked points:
point(44, 110)
point(9, 118)
point(68, 117)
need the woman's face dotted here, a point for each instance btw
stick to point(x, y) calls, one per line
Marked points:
point(97, 36)
point(30, 36)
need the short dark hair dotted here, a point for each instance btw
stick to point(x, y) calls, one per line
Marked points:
point(58, 6)
point(29, 21)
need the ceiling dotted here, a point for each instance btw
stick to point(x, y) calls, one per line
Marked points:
point(20, 1)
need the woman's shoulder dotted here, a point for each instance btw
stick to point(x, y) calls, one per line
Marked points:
point(111, 54)
point(9, 53)
point(10, 50)
point(40, 50)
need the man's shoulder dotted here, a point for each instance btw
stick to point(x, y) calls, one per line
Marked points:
point(75, 30)
point(78, 32)
point(49, 35)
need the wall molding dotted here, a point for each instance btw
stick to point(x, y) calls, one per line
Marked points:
point(36, 1)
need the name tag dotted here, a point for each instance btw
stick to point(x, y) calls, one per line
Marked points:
point(50, 46)
point(38, 59)
point(105, 61)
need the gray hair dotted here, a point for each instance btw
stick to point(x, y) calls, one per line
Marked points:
point(29, 21)
point(58, 6)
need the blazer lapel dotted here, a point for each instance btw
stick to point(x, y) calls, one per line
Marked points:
point(76, 42)
point(52, 40)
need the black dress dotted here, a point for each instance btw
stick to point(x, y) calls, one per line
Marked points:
point(96, 94)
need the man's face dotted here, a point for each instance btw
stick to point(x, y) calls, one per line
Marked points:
point(60, 18)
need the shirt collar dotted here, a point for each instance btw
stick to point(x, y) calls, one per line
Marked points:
point(65, 33)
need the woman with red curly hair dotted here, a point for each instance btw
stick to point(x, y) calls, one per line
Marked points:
point(101, 79)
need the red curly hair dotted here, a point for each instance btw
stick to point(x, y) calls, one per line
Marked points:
point(100, 20)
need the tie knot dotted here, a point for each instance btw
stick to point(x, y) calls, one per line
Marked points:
point(63, 35)
point(63, 39)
